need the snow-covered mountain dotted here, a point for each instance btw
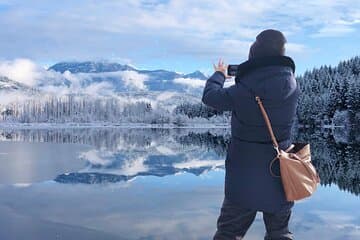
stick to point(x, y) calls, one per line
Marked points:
point(89, 67)
point(7, 86)
point(124, 77)
point(100, 67)
point(88, 92)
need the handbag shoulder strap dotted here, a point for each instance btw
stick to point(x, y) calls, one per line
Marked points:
point(265, 116)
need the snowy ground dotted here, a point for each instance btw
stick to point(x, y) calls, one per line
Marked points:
point(107, 125)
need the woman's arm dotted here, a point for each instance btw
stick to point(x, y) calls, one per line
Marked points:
point(215, 95)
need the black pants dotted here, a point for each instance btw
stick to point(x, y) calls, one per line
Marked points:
point(234, 222)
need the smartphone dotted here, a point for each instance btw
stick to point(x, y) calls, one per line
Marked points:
point(232, 69)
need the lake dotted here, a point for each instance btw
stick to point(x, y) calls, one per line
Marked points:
point(118, 183)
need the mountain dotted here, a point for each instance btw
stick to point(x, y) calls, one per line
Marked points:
point(197, 75)
point(104, 92)
point(127, 78)
point(89, 67)
point(102, 67)
point(8, 86)
point(103, 178)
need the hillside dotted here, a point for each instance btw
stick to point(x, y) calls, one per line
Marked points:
point(7, 86)
point(330, 94)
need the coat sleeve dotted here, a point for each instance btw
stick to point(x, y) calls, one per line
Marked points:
point(215, 95)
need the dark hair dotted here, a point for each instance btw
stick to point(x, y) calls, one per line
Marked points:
point(269, 42)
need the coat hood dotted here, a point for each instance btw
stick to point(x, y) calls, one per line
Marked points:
point(271, 78)
point(255, 63)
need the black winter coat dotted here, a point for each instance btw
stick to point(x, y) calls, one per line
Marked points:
point(248, 181)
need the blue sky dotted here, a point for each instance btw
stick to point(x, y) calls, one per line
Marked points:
point(180, 35)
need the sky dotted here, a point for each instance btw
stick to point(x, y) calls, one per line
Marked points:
point(179, 35)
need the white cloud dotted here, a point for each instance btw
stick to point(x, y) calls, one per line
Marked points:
point(190, 82)
point(22, 70)
point(102, 88)
point(197, 163)
point(150, 33)
point(294, 48)
point(97, 157)
point(165, 95)
point(334, 31)
point(130, 166)
point(134, 79)
point(76, 86)
point(344, 22)
point(28, 72)
point(138, 29)
point(134, 166)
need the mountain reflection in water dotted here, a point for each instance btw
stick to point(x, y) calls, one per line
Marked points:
point(124, 154)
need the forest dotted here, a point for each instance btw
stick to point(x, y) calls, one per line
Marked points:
point(330, 95)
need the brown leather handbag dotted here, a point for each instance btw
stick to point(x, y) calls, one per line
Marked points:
point(298, 175)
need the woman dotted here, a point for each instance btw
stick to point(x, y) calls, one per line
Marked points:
point(249, 186)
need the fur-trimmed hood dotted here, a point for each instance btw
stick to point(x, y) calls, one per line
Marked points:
point(255, 63)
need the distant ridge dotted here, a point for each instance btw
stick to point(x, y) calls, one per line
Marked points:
point(101, 67)
point(89, 67)
point(128, 78)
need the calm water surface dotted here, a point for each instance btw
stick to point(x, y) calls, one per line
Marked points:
point(152, 184)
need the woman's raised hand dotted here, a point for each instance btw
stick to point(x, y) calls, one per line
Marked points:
point(222, 67)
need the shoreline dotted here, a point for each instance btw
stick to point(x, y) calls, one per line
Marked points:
point(105, 125)
point(126, 125)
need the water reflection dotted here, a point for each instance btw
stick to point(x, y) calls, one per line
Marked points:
point(123, 154)
point(24, 162)
point(174, 207)
point(337, 162)
point(163, 184)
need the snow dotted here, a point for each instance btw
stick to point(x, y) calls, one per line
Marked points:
point(105, 125)
point(198, 163)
